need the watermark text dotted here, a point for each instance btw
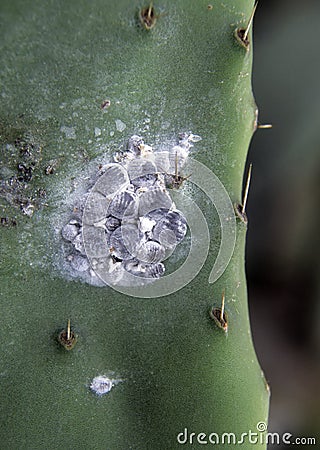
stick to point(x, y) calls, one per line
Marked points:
point(259, 436)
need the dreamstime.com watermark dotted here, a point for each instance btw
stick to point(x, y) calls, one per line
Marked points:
point(260, 436)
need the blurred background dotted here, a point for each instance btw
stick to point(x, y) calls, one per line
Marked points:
point(284, 211)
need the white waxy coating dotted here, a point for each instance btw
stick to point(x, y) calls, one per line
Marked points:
point(79, 263)
point(120, 126)
point(156, 214)
point(145, 182)
point(154, 270)
point(146, 224)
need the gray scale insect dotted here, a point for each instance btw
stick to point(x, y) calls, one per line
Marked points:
point(112, 223)
point(134, 144)
point(154, 270)
point(145, 181)
point(151, 252)
point(157, 214)
point(123, 241)
point(123, 204)
point(71, 230)
point(170, 229)
point(142, 270)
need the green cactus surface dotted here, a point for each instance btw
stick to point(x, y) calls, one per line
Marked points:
point(78, 78)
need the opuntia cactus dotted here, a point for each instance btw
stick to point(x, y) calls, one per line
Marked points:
point(87, 361)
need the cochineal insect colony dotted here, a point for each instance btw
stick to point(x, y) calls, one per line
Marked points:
point(128, 223)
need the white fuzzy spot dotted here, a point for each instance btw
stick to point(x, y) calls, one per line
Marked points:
point(101, 385)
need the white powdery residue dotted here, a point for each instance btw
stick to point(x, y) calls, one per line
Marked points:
point(97, 132)
point(120, 126)
point(146, 224)
point(69, 132)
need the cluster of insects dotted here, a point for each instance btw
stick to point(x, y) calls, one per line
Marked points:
point(129, 215)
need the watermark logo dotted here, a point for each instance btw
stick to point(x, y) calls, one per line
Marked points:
point(260, 436)
point(133, 285)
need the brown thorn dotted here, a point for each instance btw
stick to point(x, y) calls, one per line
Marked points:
point(67, 338)
point(219, 315)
